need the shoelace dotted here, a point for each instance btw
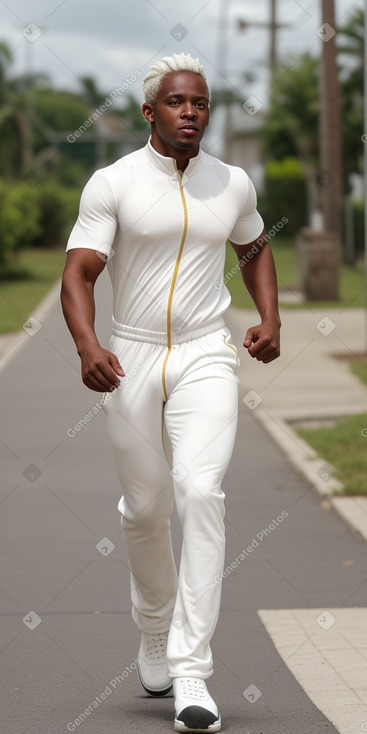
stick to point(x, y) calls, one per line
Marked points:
point(156, 647)
point(193, 688)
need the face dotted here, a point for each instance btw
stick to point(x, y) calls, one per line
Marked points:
point(181, 111)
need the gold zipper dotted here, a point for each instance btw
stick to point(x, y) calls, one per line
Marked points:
point(173, 283)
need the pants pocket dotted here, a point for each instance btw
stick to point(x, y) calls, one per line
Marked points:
point(233, 349)
point(228, 343)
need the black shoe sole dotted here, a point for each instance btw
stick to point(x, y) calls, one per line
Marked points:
point(151, 692)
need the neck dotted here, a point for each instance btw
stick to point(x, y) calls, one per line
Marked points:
point(182, 157)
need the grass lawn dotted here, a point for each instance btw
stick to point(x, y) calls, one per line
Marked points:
point(353, 286)
point(19, 296)
point(360, 369)
point(345, 447)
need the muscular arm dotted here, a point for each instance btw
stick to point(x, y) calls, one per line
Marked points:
point(99, 366)
point(259, 276)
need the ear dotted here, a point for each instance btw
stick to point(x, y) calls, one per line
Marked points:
point(148, 111)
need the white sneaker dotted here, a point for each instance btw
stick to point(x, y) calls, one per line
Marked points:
point(152, 666)
point(195, 708)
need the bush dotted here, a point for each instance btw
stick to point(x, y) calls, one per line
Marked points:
point(58, 209)
point(28, 227)
point(358, 221)
point(353, 230)
point(72, 173)
point(70, 202)
point(285, 194)
point(34, 215)
point(19, 220)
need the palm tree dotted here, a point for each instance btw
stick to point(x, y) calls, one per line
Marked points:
point(13, 117)
point(351, 50)
point(93, 96)
point(291, 128)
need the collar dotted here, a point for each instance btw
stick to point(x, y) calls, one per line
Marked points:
point(168, 165)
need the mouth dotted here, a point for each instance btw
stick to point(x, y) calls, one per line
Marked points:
point(189, 129)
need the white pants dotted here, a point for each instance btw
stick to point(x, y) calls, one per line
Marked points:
point(179, 448)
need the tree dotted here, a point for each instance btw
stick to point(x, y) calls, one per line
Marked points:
point(15, 149)
point(16, 113)
point(351, 51)
point(4, 63)
point(224, 96)
point(292, 122)
point(291, 128)
point(132, 115)
point(91, 93)
point(330, 130)
point(292, 125)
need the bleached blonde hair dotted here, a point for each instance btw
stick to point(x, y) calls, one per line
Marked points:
point(167, 65)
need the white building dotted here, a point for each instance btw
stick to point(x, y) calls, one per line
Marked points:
point(233, 136)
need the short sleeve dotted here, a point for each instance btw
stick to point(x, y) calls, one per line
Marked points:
point(96, 225)
point(249, 224)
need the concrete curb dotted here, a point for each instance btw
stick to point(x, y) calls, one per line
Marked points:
point(353, 510)
point(11, 344)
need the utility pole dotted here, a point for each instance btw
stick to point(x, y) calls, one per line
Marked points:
point(273, 29)
point(319, 250)
point(222, 44)
point(330, 126)
point(273, 25)
point(222, 48)
point(365, 149)
point(221, 65)
point(30, 34)
point(26, 119)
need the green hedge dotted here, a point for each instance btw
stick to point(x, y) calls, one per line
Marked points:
point(285, 195)
point(358, 221)
point(34, 214)
point(19, 220)
point(58, 210)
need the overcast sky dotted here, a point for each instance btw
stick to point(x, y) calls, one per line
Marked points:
point(110, 39)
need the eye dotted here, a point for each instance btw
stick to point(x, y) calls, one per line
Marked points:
point(173, 101)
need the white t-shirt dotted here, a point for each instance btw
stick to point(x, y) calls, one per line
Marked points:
point(165, 237)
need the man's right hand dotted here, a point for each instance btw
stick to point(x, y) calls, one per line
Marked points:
point(101, 370)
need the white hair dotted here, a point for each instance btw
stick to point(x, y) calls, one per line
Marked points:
point(168, 65)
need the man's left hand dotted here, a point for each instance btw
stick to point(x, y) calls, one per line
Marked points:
point(263, 341)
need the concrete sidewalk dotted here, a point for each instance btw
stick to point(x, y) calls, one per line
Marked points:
point(308, 383)
point(67, 640)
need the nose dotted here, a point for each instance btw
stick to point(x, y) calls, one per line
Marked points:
point(189, 111)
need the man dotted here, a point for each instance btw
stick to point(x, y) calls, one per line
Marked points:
point(161, 217)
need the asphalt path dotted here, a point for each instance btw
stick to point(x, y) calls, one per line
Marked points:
point(67, 639)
